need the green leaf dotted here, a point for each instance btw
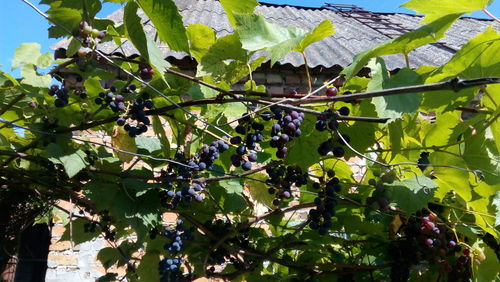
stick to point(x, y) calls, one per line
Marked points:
point(76, 233)
point(201, 38)
point(145, 45)
point(66, 19)
point(323, 30)
point(449, 178)
point(258, 189)
point(436, 9)
point(32, 78)
point(108, 257)
point(412, 194)
point(489, 269)
point(441, 132)
point(29, 54)
point(402, 45)
point(72, 160)
point(93, 86)
point(134, 29)
point(168, 22)
point(394, 106)
point(256, 33)
point(496, 203)
point(238, 6)
point(149, 144)
point(162, 135)
point(473, 60)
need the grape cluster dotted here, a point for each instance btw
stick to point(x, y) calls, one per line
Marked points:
point(146, 72)
point(205, 159)
point(328, 120)
point(282, 179)
point(252, 131)
point(172, 198)
point(378, 199)
point(62, 95)
point(89, 35)
point(423, 161)
point(430, 242)
point(321, 215)
point(285, 129)
point(136, 111)
point(221, 256)
point(169, 268)
point(104, 224)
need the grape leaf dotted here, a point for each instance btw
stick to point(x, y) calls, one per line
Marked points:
point(31, 77)
point(256, 33)
point(496, 203)
point(412, 194)
point(121, 140)
point(201, 38)
point(29, 54)
point(237, 6)
point(402, 45)
point(168, 22)
point(66, 19)
point(108, 257)
point(72, 160)
point(76, 233)
point(134, 29)
point(473, 60)
point(395, 106)
point(449, 178)
point(145, 45)
point(436, 9)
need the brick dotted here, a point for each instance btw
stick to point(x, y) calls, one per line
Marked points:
point(275, 90)
point(169, 217)
point(58, 230)
point(293, 79)
point(59, 246)
point(62, 259)
point(274, 78)
point(259, 77)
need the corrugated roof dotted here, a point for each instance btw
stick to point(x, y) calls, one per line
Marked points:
point(350, 38)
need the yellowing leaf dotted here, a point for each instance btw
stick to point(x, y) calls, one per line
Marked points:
point(122, 141)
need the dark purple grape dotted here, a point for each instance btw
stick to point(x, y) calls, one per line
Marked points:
point(236, 160)
point(148, 104)
point(121, 121)
point(240, 129)
point(344, 111)
point(113, 89)
point(321, 125)
point(235, 140)
point(202, 165)
point(252, 157)
point(241, 150)
point(246, 165)
point(294, 115)
point(281, 153)
point(338, 152)
point(60, 103)
point(284, 138)
point(267, 115)
point(274, 141)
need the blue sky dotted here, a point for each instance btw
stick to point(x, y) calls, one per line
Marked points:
point(22, 24)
